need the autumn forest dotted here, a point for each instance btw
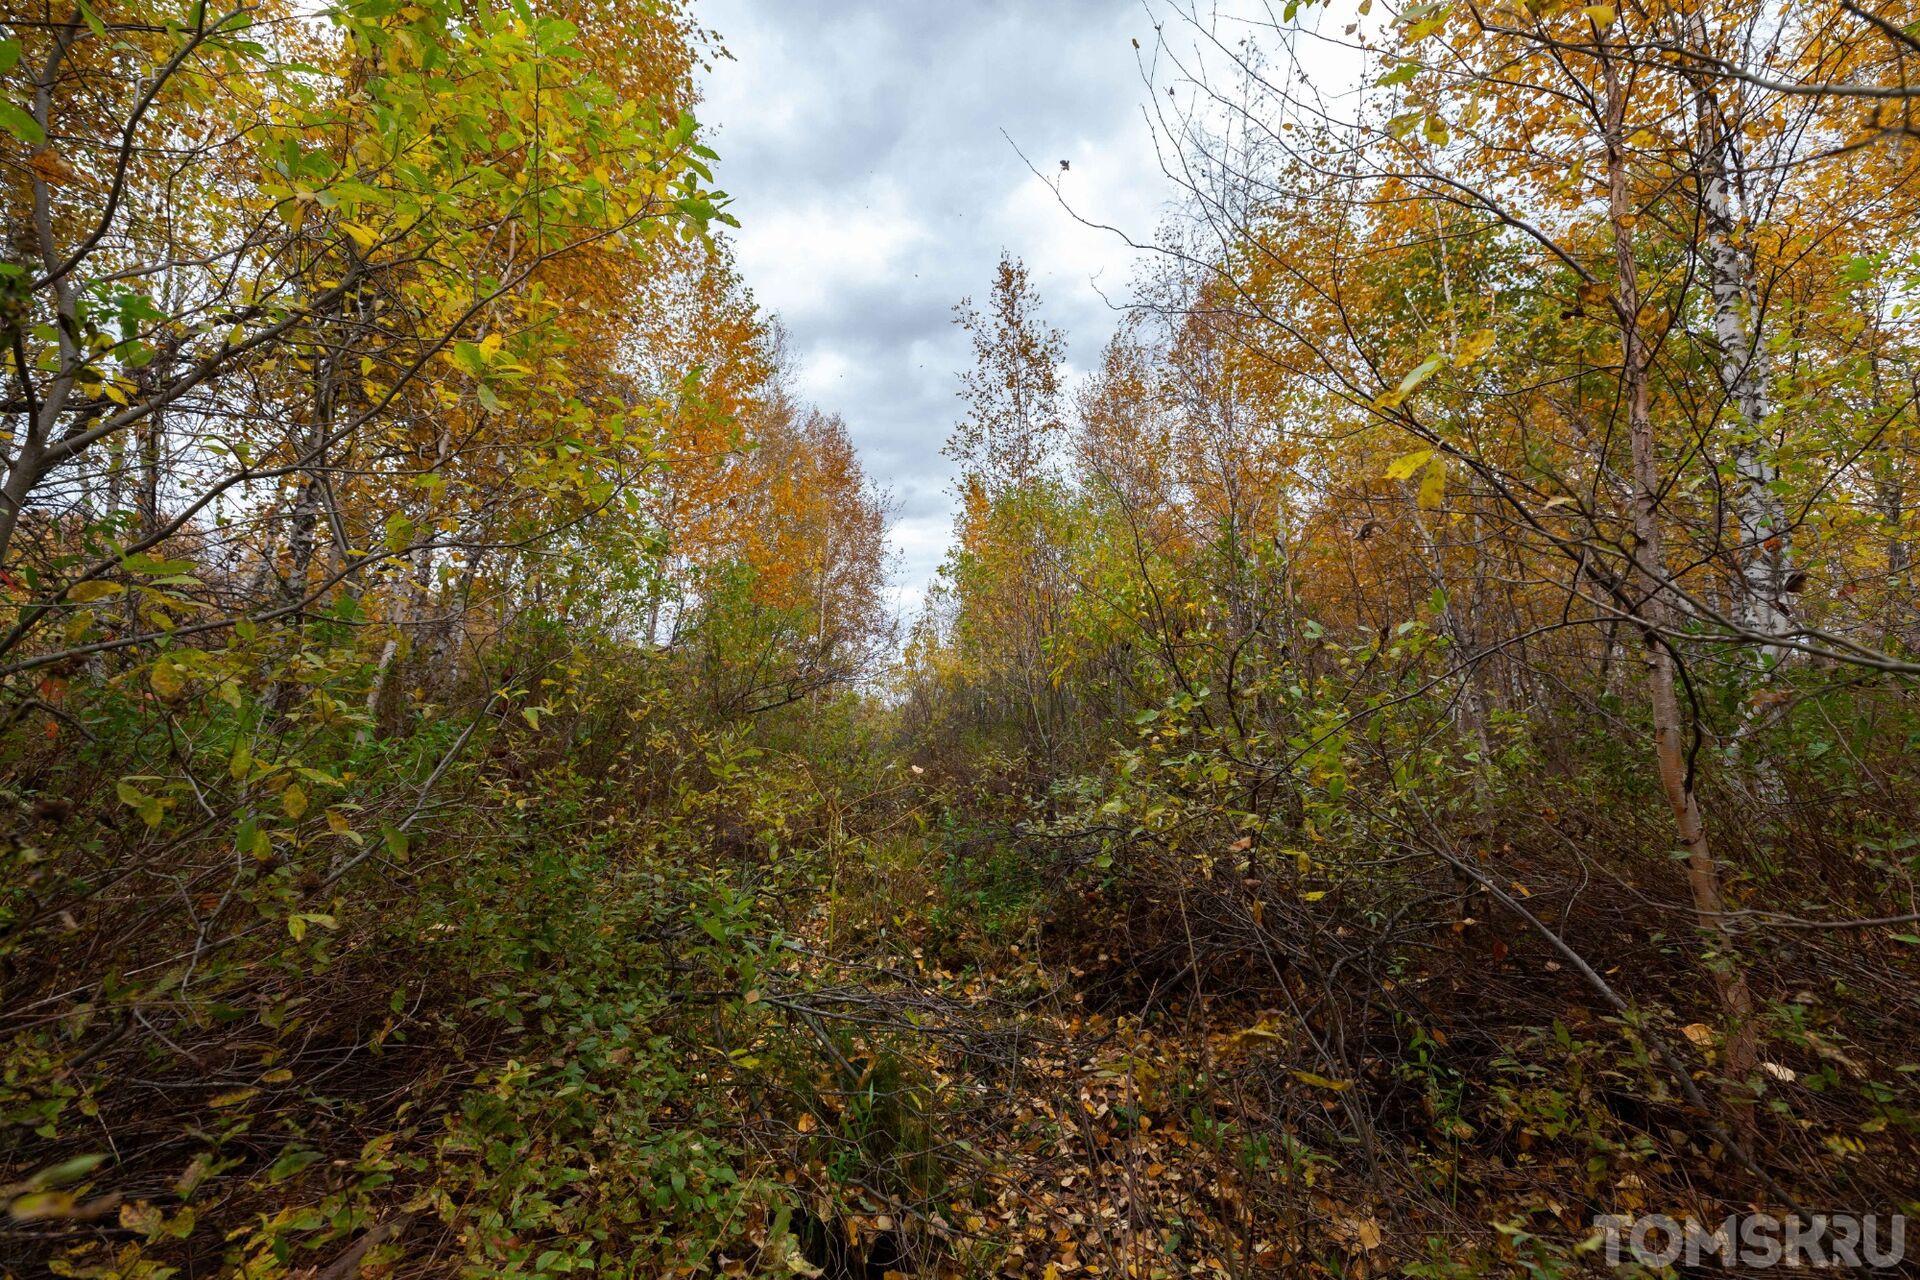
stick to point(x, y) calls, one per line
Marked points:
point(1410, 762)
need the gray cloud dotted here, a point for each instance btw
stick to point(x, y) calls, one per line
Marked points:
point(862, 141)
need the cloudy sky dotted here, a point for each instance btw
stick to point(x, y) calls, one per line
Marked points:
point(870, 147)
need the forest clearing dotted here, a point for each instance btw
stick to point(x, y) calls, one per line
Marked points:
point(1408, 765)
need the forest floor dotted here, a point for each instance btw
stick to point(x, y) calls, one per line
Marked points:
point(1095, 1141)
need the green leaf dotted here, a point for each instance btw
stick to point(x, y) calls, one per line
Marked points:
point(291, 1163)
point(1421, 372)
point(94, 24)
point(399, 531)
point(154, 565)
point(150, 809)
point(396, 842)
point(67, 1171)
point(20, 124)
point(1401, 125)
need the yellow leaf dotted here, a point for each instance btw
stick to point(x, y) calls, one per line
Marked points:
point(294, 800)
point(167, 679)
point(1601, 15)
point(1321, 1082)
point(88, 592)
point(1472, 347)
point(141, 1216)
point(232, 1097)
point(1433, 485)
point(42, 1204)
point(1263, 1031)
point(1403, 467)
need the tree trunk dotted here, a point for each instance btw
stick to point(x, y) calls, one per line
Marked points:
point(1764, 552)
point(1657, 611)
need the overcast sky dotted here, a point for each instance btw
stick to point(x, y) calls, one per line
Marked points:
point(862, 142)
